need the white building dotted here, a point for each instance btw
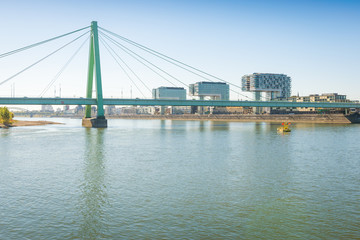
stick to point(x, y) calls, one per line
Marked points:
point(170, 93)
point(215, 90)
point(274, 85)
point(175, 93)
point(46, 108)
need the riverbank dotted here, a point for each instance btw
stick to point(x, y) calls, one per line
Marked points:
point(277, 118)
point(301, 118)
point(20, 123)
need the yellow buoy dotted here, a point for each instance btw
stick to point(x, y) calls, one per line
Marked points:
point(285, 127)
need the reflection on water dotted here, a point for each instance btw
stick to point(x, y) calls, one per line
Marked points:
point(93, 197)
point(4, 132)
point(202, 125)
point(262, 127)
point(219, 125)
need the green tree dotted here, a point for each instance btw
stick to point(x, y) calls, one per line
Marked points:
point(6, 116)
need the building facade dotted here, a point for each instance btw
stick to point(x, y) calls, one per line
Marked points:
point(214, 90)
point(172, 93)
point(325, 97)
point(274, 85)
point(46, 108)
point(175, 93)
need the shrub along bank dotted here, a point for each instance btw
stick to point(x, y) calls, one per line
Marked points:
point(6, 117)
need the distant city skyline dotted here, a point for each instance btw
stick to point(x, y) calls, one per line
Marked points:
point(315, 43)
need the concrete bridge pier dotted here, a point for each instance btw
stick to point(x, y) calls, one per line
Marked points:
point(94, 122)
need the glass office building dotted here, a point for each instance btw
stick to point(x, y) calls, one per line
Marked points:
point(175, 93)
point(215, 90)
point(275, 85)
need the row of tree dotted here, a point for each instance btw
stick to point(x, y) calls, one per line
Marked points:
point(6, 117)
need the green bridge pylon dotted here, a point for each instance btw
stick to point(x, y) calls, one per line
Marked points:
point(94, 68)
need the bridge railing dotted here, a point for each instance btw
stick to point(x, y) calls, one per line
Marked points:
point(163, 102)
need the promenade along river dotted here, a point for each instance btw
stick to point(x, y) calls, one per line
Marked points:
point(168, 179)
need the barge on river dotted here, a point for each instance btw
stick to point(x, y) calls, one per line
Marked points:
point(353, 117)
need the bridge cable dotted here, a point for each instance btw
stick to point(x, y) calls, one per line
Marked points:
point(178, 65)
point(137, 59)
point(107, 48)
point(128, 50)
point(163, 56)
point(39, 43)
point(62, 69)
point(125, 64)
point(156, 53)
point(28, 67)
point(173, 61)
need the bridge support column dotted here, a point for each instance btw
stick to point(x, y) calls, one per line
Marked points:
point(257, 96)
point(162, 110)
point(94, 61)
point(94, 122)
point(201, 108)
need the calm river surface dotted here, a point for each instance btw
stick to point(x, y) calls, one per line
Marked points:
point(164, 179)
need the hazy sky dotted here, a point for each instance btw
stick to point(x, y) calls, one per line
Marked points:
point(316, 43)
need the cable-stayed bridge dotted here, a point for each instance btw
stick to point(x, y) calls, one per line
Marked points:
point(112, 40)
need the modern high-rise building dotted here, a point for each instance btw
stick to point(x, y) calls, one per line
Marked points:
point(274, 85)
point(215, 90)
point(175, 93)
point(170, 93)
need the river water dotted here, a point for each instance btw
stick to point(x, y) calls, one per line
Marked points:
point(164, 179)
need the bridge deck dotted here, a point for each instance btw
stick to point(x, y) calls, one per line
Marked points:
point(162, 102)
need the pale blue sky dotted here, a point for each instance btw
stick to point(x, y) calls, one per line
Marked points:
point(314, 42)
